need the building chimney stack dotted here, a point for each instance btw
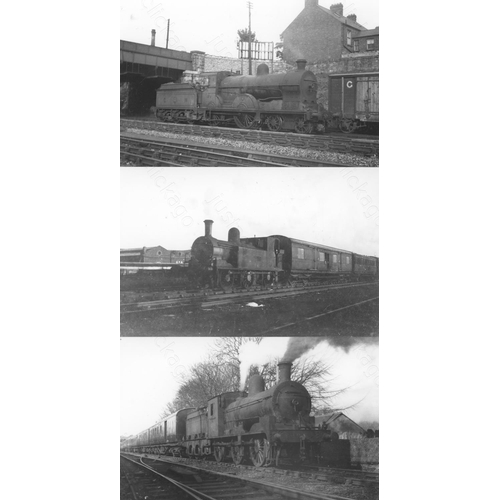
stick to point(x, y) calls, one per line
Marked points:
point(352, 17)
point(153, 36)
point(284, 371)
point(208, 227)
point(311, 3)
point(337, 8)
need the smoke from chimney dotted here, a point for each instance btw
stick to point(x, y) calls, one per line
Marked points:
point(297, 346)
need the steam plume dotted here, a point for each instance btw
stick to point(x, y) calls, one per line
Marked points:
point(297, 346)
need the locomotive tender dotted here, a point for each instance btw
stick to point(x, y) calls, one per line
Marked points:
point(268, 426)
point(278, 101)
point(243, 262)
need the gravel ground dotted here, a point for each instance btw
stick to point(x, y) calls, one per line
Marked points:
point(310, 154)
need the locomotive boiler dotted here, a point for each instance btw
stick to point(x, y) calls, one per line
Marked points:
point(277, 101)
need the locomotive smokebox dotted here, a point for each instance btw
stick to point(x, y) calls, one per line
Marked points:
point(284, 371)
point(301, 64)
point(208, 227)
point(234, 235)
point(255, 385)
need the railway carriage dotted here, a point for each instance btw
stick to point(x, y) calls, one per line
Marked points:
point(353, 100)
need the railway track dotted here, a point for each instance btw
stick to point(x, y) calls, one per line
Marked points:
point(147, 151)
point(206, 299)
point(363, 146)
point(156, 476)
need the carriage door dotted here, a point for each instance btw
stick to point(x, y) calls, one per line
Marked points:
point(367, 96)
point(278, 254)
point(349, 101)
point(327, 261)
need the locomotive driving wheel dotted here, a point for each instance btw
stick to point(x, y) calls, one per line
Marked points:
point(245, 120)
point(303, 127)
point(219, 453)
point(237, 454)
point(347, 125)
point(274, 123)
point(260, 452)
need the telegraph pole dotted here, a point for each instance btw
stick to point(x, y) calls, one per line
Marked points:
point(250, 7)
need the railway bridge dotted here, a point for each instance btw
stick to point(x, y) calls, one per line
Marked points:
point(143, 68)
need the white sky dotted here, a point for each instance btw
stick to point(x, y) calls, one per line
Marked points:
point(212, 26)
point(150, 369)
point(321, 205)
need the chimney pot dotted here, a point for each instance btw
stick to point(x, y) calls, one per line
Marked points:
point(208, 227)
point(311, 3)
point(352, 17)
point(337, 8)
point(153, 35)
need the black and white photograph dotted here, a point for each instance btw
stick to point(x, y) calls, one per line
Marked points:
point(255, 84)
point(250, 417)
point(249, 250)
point(222, 251)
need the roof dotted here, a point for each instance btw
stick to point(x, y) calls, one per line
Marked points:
point(343, 19)
point(331, 417)
point(373, 32)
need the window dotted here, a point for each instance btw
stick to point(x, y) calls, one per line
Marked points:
point(300, 253)
point(321, 257)
point(356, 45)
point(335, 258)
point(370, 44)
point(211, 409)
point(347, 259)
point(349, 37)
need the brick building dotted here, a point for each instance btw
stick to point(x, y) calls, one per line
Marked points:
point(322, 35)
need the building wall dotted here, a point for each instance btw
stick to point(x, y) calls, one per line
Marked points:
point(208, 63)
point(315, 36)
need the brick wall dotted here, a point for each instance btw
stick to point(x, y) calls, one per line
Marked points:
point(209, 63)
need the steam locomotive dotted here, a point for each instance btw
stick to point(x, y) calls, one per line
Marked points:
point(278, 101)
point(270, 427)
point(244, 262)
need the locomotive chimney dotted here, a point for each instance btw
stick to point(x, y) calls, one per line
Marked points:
point(208, 227)
point(234, 235)
point(153, 36)
point(301, 64)
point(284, 371)
point(255, 385)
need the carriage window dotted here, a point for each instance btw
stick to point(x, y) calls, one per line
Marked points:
point(321, 257)
point(370, 44)
point(335, 258)
point(211, 409)
point(347, 260)
point(300, 253)
point(349, 37)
